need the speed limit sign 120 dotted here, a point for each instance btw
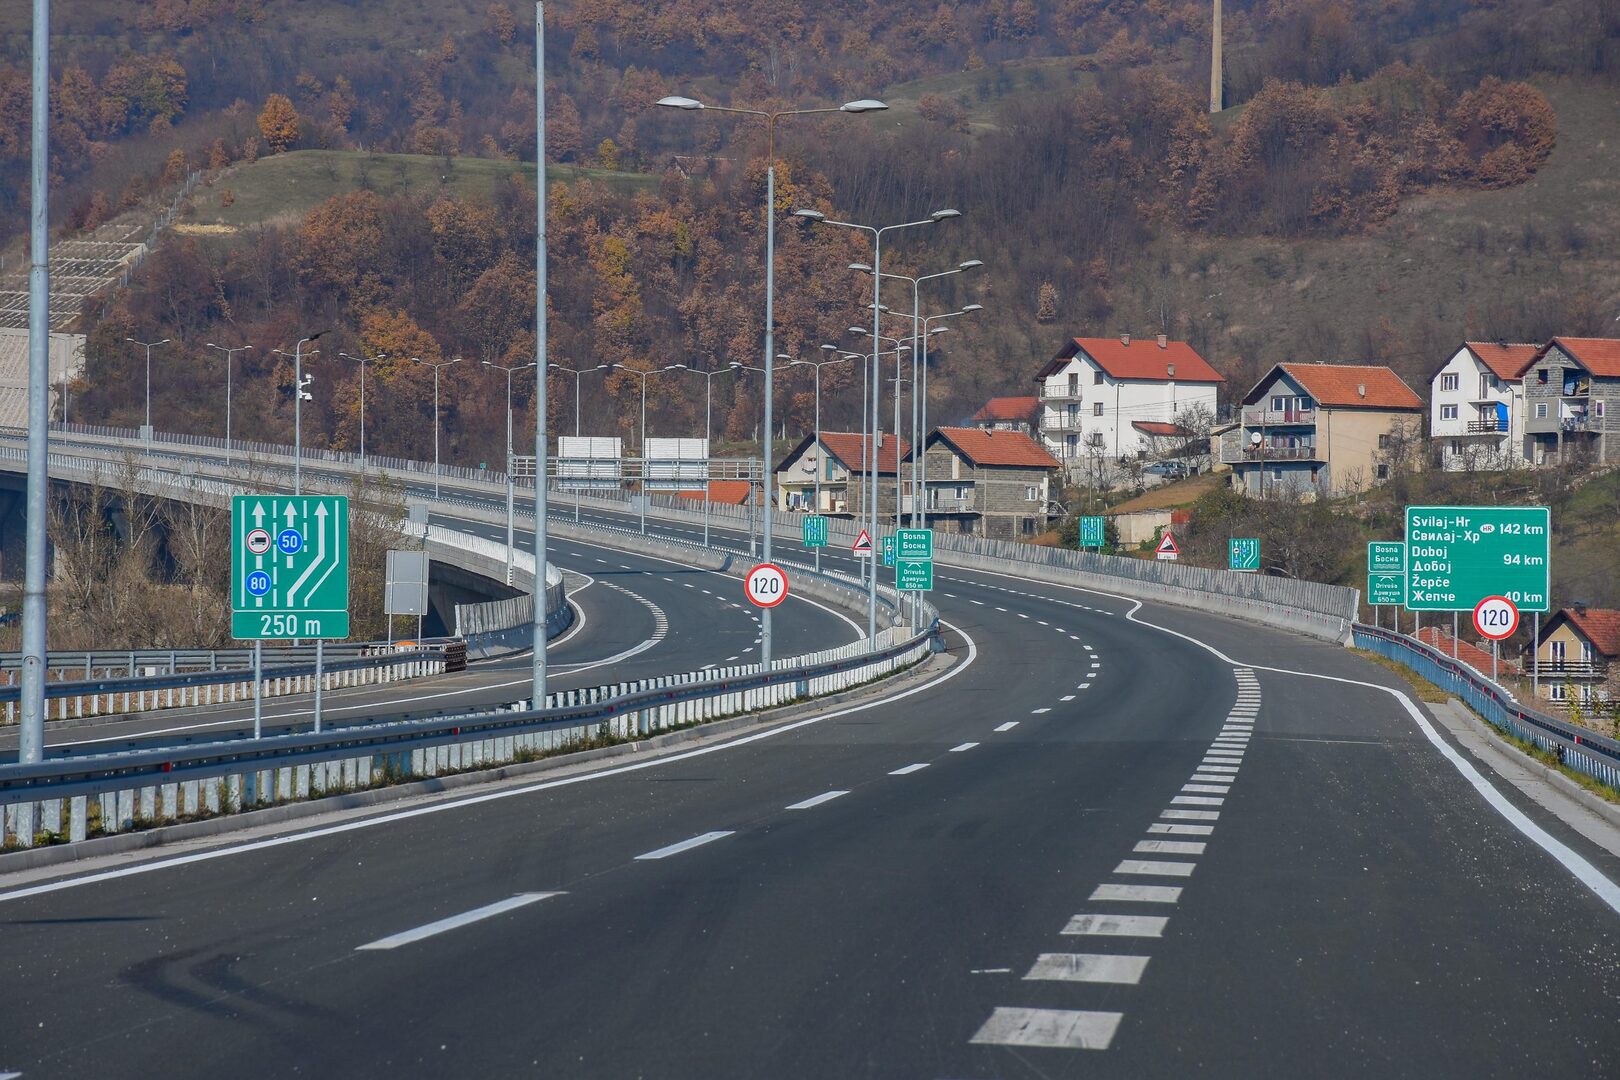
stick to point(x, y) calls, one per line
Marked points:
point(766, 585)
point(1496, 618)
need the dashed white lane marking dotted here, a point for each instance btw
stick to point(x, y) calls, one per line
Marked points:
point(1082, 686)
point(907, 770)
point(1043, 622)
point(1147, 894)
point(1207, 789)
point(1009, 725)
point(1095, 666)
point(1117, 925)
point(949, 594)
point(980, 603)
point(1169, 847)
point(1073, 638)
point(1035, 712)
point(1181, 830)
point(685, 845)
point(1190, 815)
point(1065, 697)
point(962, 747)
point(670, 579)
point(1197, 800)
point(999, 608)
point(729, 659)
point(1021, 615)
point(1089, 968)
point(1155, 868)
point(816, 800)
point(604, 562)
point(488, 911)
point(1062, 1029)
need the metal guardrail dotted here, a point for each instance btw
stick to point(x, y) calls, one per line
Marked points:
point(1579, 749)
point(174, 660)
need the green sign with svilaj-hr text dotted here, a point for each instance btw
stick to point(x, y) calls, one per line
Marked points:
point(289, 566)
point(1456, 556)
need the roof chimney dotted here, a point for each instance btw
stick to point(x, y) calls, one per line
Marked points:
point(1170, 371)
point(1579, 606)
point(1164, 341)
point(1124, 339)
point(1361, 389)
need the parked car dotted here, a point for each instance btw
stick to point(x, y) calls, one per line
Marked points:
point(1170, 470)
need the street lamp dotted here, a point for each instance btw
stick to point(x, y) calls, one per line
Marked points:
point(708, 444)
point(765, 449)
point(300, 395)
point(842, 357)
point(576, 373)
point(363, 361)
point(644, 375)
point(148, 346)
point(510, 494)
point(816, 217)
point(919, 368)
point(540, 589)
point(899, 348)
point(228, 353)
point(863, 105)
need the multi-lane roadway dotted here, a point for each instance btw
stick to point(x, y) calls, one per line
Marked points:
point(1106, 839)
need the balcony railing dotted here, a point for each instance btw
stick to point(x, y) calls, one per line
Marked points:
point(1061, 393)
point(1061, 422)
point(1571, 669)
point(1278, 417)
point(1265, 452)
point(1486, 427)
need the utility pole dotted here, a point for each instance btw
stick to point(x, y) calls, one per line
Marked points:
point(31, 719)
point(1215, 95)
point(537, 691)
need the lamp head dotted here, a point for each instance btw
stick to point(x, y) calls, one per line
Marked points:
point(863, 105)
point(829, 348)
point(971, 264)
point(939, 329)
point(677, 102)
point(859, 330)
point(860, 268)
point(812, 215)
point(677, 367)
point(942, 215)
point(972, 307)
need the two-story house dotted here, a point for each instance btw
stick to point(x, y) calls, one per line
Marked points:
point(1323, 429)
point(1575, 651)
point(1010, 414)
point(1094, 389)
point(1571, 394)
point(842, 459)
point(1476, 406)
point(996, 484)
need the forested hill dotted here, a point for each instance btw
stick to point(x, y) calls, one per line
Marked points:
point(1388, 176)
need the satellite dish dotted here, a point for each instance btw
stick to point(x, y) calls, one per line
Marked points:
point(1254, 438)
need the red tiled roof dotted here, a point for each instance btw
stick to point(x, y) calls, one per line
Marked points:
point(1506, 361)
point(1007, 448)
point(1160, 427)
point(1008, 408)
point(1600, 356)
point(731, 492)
point(1472, 655)
point(1600, 626)
point(1340, 385)
point(852, 449)
point(1140, 359)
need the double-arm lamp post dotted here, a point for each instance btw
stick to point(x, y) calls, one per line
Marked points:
point(770, 117)
point(840, 358)
point(363, 361)
point(509, 371)
point(644, 375)
point(708, 441)
point(876, 232)
point(148, 346)
point(300, 395)
point(229, 353)
point(436, 368)
point(577, 373)
point(765, 456)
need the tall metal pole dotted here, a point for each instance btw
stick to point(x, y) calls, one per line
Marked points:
point(230, 354)
point(916, 392)
point(1215, 95)
point(820, 467)
point(708, 449)
point(877, 432)
point(31, 734)
point(435, 431)
point(765, 643)
point(363, 414)
point(537, 693)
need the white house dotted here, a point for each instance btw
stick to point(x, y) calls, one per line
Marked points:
point(1095, 389)
point(1476, 406)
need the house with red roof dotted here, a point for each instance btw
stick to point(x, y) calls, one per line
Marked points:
point(1010, 414)
point(1323, 429)
point(1571, 394)
point(1095, 389)
point(1476, 406)
point(832, 476)
point(1576, 650)
point(996, 484)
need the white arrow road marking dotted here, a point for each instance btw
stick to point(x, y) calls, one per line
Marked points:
point(320, 555)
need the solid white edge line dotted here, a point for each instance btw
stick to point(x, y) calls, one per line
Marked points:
point(488, 911)
point(493, 796)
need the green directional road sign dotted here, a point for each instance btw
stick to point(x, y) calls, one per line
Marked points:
point(289, 566)
point(916, 544)
point(915, 575)
point(1243, 554)
point(815, 531)
point(888, 550)
point(1386, 557)
point(1459, 555)
point(1091, 532)
point(1386, 589)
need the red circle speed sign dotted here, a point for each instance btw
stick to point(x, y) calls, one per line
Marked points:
point(258, 541)
point(1496, 618)
point(766, 585)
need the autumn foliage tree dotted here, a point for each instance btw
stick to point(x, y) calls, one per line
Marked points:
point(279, 122)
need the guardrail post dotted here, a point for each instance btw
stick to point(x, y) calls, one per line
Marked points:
point(50, 817)
point(146, 808)
point(170, 806)
point(78, 818)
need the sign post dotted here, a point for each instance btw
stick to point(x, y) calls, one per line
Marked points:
point(1243, 555)
point(1091, 532)
point(1496, 618)
point(1460, 555)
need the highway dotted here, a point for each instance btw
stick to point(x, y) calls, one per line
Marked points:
point(1109, 839)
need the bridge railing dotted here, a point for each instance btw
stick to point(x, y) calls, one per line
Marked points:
point(1579, 749)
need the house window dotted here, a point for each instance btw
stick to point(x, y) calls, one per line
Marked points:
point(1448, 381)
point(1383, 441)
point(1277, 402)
point(1597, 408)
point(1560, 692)
point(1276, 474)
point(1031, 493)
point(1541, 377)
point(1484, 385)
point(1586, 693)
point(1383, 471)
point(1541, 410)
point(1097, 378)
point(1096, 408)
point(1027, 525)
point(1448, 412)
point(1558, 653)
point(1586, 652)
point(1074, 382)
point(1456, 447)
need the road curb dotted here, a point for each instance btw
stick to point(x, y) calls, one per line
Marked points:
point(1454, 715)
point(165, 835)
